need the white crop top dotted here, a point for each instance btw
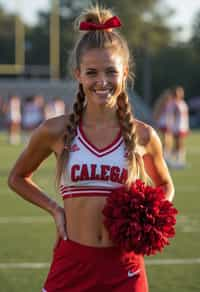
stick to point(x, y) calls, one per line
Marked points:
point(91, 171)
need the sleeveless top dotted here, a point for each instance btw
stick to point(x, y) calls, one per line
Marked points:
point(181, 118)
point(91, 171)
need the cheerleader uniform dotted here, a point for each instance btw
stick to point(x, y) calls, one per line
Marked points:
point(32, 115)
point(76, 267)
point(181, 121)
point(164, 123)
point(14, 111)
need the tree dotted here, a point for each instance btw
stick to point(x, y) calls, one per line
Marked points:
point(38, 36)
point(176, 65)
point(146, 29)
point(143, 22)
point(7, 37)
point(195, 39)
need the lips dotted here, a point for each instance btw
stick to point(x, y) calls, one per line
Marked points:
point(103, 92)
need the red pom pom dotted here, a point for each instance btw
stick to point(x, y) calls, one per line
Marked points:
point(140, 219)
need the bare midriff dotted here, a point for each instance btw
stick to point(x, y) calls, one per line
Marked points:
point(84, 221)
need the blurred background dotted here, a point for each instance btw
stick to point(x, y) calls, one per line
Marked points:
point(164, 37)
point(36, 38)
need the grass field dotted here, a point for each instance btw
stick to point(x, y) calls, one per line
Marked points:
point(27, 233)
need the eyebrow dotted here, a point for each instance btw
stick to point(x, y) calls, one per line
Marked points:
point(108, 68)
point(90, 69)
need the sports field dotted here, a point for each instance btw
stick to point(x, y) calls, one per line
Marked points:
point(27, 233)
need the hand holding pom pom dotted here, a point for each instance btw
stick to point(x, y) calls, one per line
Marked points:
point(140, 219)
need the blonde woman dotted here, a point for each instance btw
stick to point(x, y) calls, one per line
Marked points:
point(98, 147)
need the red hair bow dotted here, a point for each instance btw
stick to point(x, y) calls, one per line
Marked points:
point(110, 23)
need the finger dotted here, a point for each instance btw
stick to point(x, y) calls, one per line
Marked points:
point(63, 233)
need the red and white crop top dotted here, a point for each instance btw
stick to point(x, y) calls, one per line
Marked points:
point(91, 171)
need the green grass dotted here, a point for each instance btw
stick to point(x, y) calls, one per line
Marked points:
point(32, 242)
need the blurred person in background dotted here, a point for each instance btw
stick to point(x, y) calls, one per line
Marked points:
point(180, 127)
point(163, 118)
point(13, 119)
point(2, 113)
point(40, 104)
point(99, 147)
point(54, 108)
point(32, 114)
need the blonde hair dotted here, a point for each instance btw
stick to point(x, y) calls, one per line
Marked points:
point(92, 40)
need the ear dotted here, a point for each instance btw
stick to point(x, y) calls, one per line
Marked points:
point(77, 75)
point(125, 73)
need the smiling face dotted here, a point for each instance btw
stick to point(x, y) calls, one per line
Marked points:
point(102, 73)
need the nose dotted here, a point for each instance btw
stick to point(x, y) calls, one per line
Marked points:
point(102, 80)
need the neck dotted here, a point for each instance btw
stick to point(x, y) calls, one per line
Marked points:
point(100, 117)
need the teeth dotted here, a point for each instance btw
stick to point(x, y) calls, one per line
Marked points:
point(102, 91)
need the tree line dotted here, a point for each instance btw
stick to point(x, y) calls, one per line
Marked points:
point(160, 59)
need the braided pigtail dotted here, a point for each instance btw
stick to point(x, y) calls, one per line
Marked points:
point(73, 121)
point(128, 128)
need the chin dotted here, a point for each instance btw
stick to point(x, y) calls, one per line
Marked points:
point(106, 102)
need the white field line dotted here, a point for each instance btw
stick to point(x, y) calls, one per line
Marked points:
point(193, 150)
point(188, 224)
point(173, 261)
point(34, 266)
point(186, 189)
point(183, 189)
point(185, 224)
point(156, 262)
point(25, 219)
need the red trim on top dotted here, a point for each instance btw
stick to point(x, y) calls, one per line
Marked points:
point(78, 191)
point(85, 195)
point(93, 146)
point(85, 188)
point(99, 155)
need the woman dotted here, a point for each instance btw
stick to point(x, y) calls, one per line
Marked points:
point(180, 129)
point(163, 120)
point(13, 119)
point(98, 147)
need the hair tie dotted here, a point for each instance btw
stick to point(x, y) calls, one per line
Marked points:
point(110, 23)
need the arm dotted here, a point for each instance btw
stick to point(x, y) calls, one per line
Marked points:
point(156, 167)
point(20, 177)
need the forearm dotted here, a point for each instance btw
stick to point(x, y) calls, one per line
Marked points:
point(168, 189)
point(31, 192)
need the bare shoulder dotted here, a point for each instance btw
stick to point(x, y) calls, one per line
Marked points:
point(51, 132)
point(147, 136)
point(54, 127)
point(143, 132)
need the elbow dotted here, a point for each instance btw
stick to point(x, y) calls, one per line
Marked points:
point(11, 181)
point(16, 181)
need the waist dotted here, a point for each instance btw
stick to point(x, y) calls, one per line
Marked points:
point(94, 254)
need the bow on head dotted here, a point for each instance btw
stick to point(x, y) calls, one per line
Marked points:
point(110, 23)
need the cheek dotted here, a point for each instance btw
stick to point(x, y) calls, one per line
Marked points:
point(86, 83)
point(119, 81)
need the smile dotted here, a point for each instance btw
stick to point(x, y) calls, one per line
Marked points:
point(104, 92)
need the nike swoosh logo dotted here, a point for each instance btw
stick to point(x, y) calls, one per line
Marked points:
point(132, 274)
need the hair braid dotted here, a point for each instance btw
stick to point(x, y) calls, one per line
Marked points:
point(126, 120)
point(70, 133)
